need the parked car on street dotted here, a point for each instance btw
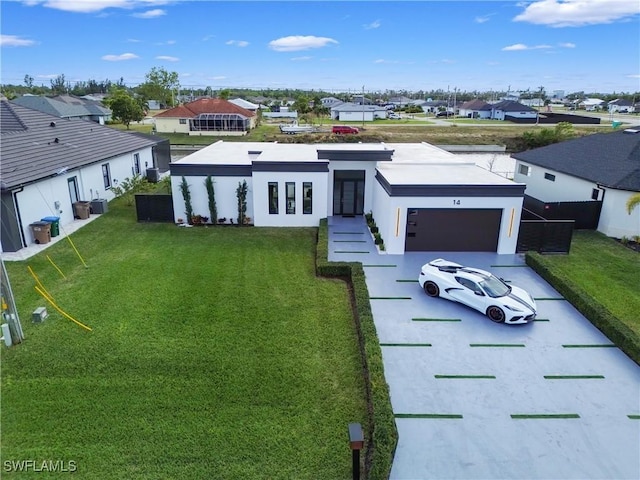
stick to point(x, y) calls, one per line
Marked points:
point(344, 129)
point(479, 290)
point(445, 113)
point(394, 116)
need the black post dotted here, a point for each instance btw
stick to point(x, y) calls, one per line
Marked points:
point(356, 442)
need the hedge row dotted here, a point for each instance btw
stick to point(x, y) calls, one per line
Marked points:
point(596, 313)
point(382, 436)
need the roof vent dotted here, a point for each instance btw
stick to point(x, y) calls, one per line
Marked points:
point(56, 140)
point(631, 130)
point(52, 124)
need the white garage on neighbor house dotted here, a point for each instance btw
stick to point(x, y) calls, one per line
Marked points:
point(422, 198)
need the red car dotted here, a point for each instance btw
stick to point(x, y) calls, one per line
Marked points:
point(344, 129)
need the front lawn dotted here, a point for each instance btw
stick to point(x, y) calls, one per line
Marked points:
point(215, 353)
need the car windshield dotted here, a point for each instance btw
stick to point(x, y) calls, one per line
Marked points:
point(494, 287)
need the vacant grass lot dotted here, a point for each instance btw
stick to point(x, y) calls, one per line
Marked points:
point(215, 353)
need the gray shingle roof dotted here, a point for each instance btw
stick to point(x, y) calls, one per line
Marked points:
point(511, 106)
point(610, 159)
point(62, 105)
point(32, 153)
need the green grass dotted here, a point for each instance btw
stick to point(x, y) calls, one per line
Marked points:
point(215, 353)
point(606, 271)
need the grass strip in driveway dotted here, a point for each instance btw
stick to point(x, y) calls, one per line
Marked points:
point(497, 345)
point(407, 281)
point(594, 345)
point(350, 241)
point(405, 345)
point(471, 377)
point(573, 377)
point(543, 416)
point(436, 319)
point(351, 251)
point(435, 416)
point(348, 233)
point(634, 417)
point(389, 298)
point(541, 320)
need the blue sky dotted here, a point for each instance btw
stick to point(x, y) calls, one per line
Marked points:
point(570, 45)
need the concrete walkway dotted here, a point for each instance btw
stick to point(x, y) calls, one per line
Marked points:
point(553, 399)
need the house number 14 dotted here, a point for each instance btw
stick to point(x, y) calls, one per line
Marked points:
point(456, 202)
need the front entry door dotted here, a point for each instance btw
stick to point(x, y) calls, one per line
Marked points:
point(72, 183)
point(348, 192)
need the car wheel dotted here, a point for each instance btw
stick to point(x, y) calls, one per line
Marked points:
point(496, 314)
point(431, 289)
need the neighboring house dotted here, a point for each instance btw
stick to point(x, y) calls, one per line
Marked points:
point(252, 107)
point(621, 105)
point(206, 116)
point(49, 163)
point(353, 112)
point(66, 106)
point(330, 102)
point(400, 101)
point(421, 197)
point(603, 167)
point(591, 104)
point(434, 106)
point(475, 109)
point(513, 111)
point(359, 99)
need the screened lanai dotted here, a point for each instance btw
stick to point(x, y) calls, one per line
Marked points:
point(227, 122)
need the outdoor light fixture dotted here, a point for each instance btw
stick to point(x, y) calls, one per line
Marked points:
point(356, 442)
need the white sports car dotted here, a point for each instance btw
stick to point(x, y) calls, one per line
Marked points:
point(477, 289)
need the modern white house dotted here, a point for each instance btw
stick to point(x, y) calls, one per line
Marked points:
point(513, 111)
point(422, 198)
point(475, 109)
point(49, 164)
point(599, 167)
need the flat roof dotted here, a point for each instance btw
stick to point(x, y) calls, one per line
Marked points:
point(445, 173)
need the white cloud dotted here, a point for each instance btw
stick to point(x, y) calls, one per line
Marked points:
point(167, 58)
point(299, 42)
point(49, 75)
point(91, 6)
point(483, 18)
point(300, 59)
point(118, 58)
point(372, 25)
point(237, 43)
point(219, 77)
point(133, 40)
point(635, 75)
point(576, 13)
point(521, 46)
point(567, 45)
point(15, 41)
point(150, 13)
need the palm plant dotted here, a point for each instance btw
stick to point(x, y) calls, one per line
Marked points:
point(633, 202)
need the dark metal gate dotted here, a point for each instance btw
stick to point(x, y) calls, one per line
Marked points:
point(154, 207)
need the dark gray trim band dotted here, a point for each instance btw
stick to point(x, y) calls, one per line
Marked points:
point(188, 170)
point(356, 155)
point(515, 190)
point(284, 166)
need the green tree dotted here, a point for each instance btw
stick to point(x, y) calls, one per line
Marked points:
point(213, 210)
point(28, 81)
point(301, 105)
point(224, 94)
point(160, 85)
point(186, 194)
point(124, 107)
point(59, 85)
point(241, 193)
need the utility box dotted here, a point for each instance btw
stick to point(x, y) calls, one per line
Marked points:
point(99, 206)
point(55, 225)
point(153, 175)
point(39, 315)
point(41, 232)
point(82, 210)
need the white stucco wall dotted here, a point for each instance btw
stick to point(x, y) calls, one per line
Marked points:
point(355, 116)
point(224, 189)
point(260, 197)
point(614, 219)
point(390, 214)
point(171, 125)
point(565, 188)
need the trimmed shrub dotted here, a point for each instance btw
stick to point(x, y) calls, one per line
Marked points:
point(374, 229)
point(595, 312)
point(381, 434)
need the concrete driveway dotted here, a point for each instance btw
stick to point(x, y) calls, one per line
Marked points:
point(476, 400)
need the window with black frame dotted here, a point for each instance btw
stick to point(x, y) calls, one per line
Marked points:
point(307, 198)
point(273, 198)
point(290, 189)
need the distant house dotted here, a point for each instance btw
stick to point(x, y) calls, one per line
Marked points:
point(49, 164)
point(252, 107)
point(591, 104)
point(66, 106)
point(206, 116)
point(475, 109)
point(513, 111)
point(600, 167)
point(621, 105)
point(353, 112)
point(400, 101)
point(433, 106)
point(330, 102)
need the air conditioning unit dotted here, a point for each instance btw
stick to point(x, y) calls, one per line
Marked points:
point(39, 314)
point(153, 175)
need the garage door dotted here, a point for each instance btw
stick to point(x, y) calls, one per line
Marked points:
point(453, 230)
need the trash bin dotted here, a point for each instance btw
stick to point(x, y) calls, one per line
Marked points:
point(41, 231)
point(55, 225)
point(82, 210)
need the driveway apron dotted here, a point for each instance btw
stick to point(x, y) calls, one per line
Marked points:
point(554, 399)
